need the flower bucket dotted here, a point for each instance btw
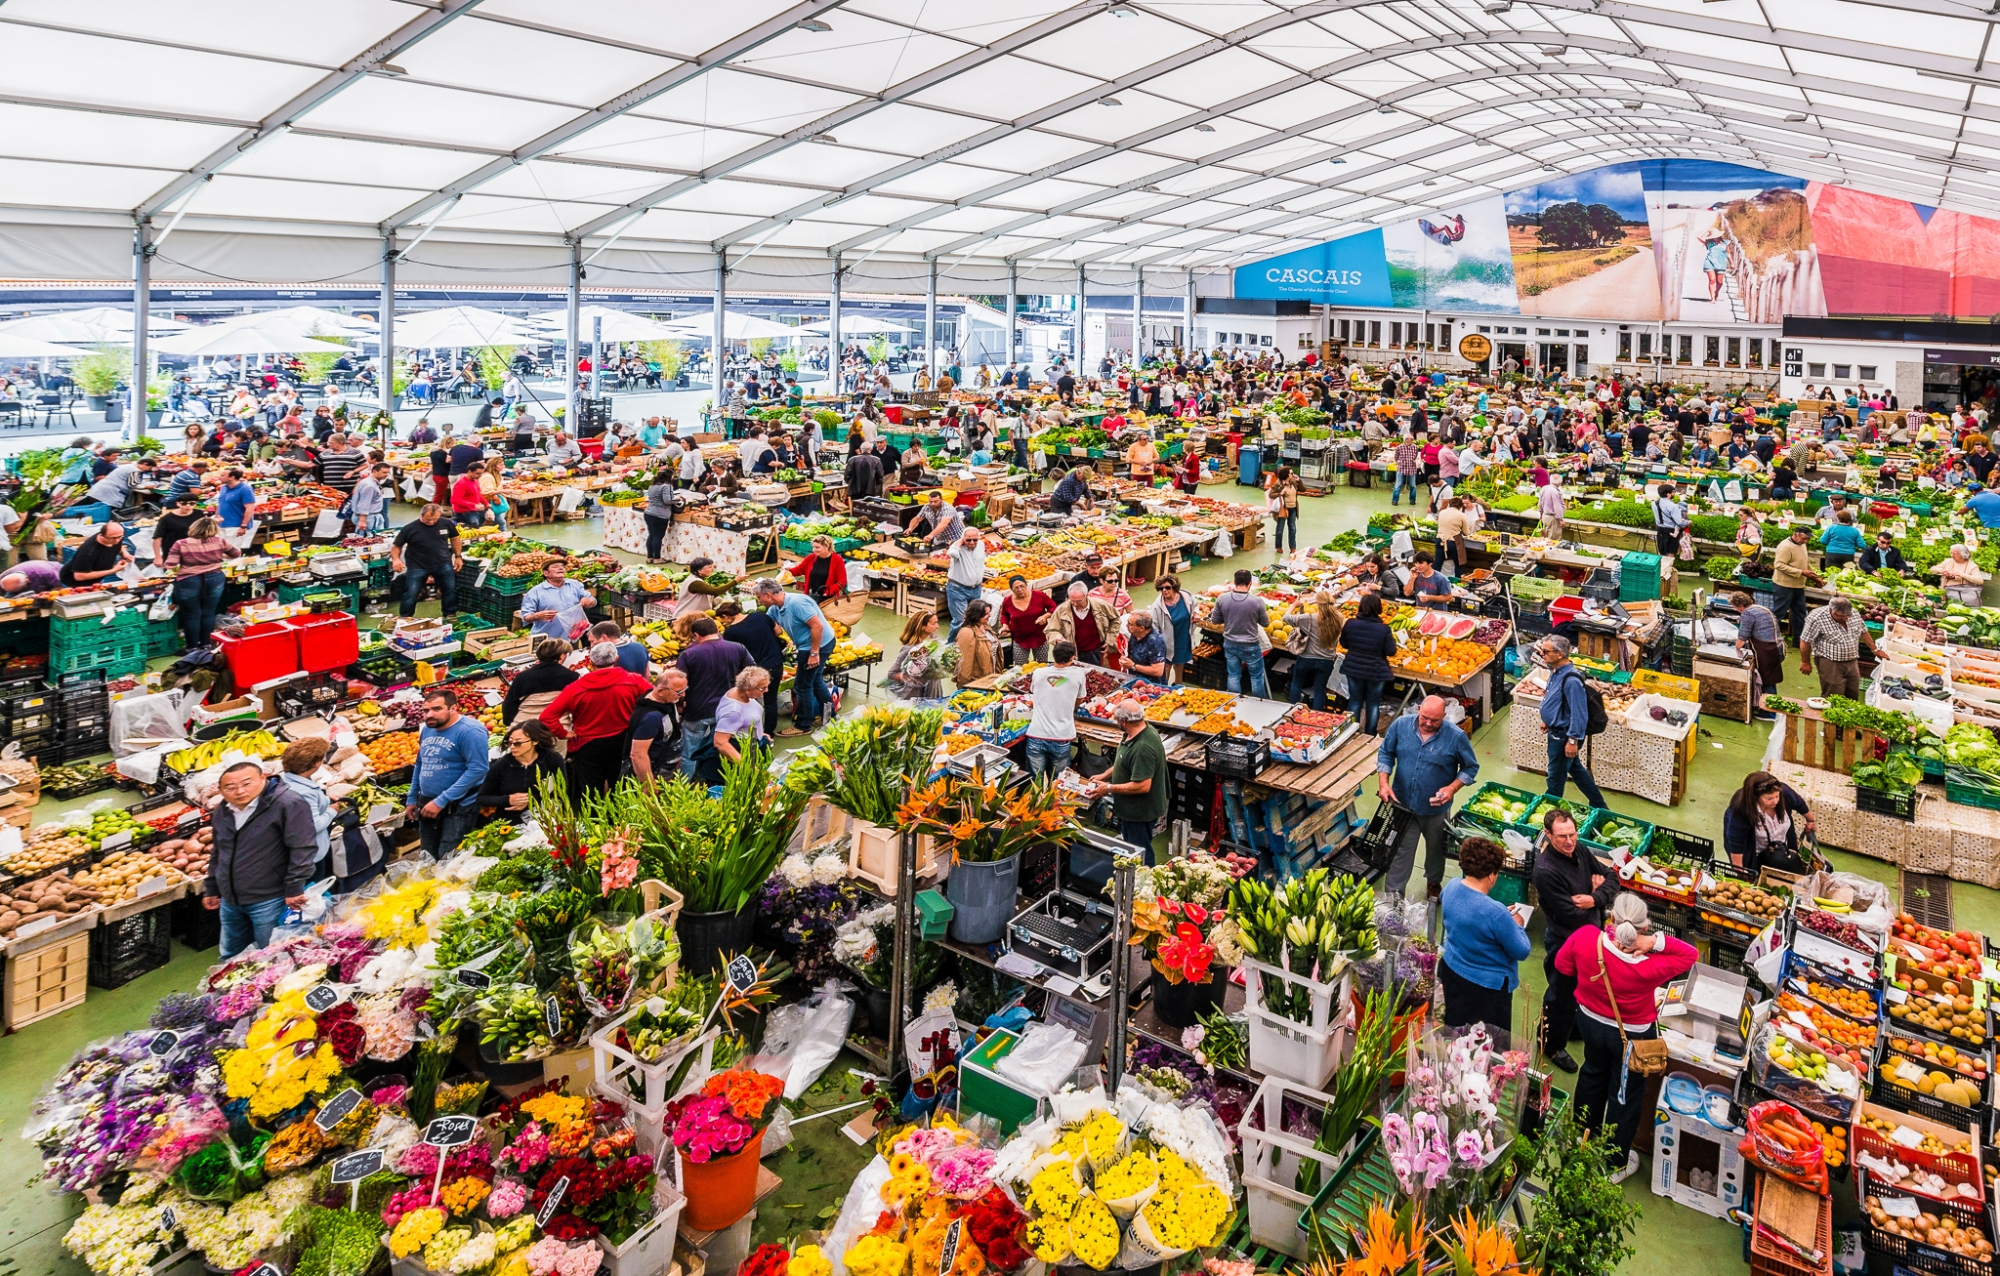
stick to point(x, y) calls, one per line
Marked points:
point(706, 936)
point(722, 1190)
point(982, 899)
point(875, 1009)
point(1182, 1005)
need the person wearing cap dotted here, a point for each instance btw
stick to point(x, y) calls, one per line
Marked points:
point(174, 524)
point(1092, 574)
point(1984, 503)
point(1834, 636)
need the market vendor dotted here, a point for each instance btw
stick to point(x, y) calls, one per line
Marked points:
point(912, 464)
point(529, 756)
point(1883, 556)
point(543, 605)
point(1137, 782)
point(1145, 650)
point(1959, 575)
point(822, 573)
point(1421, 764)
point(1550, 505)
point(1072, 490)
point(564, 450)
point(938, 523)
point(1834, 638)
point(1757, 637)
point(1426, 587)
point(427, 548)
point(1142, 456)
point(103, 553)
point(31, 576)
point(261, 858)
point(1759, 829)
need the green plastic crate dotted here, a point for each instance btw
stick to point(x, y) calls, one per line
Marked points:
point(1593, 831)
point(114, 658)
point(1968, 787)
point(982, 1090)
point(163, 637)
point(1511, 793)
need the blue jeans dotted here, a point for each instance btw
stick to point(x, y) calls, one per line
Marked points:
point(958, 597)
point(1239, 656)
point(1403, 480)
point(470, 518)
point(1309, 682)
point(1047, 757)
point(1140, 834)
point(1279, 522)
point(1364, 700)
point(376, 522)
point(199, 598)
point(1562, 767)
point(249, 925)
point(413, 585)
point(697, 744)
point(810, 691)
point(441, 836)
point(95, 511)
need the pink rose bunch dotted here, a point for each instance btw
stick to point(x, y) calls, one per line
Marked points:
point(964, 1172)
point(529, 1148)
point(419, 1161)
point(706, 1128)
point(411, 1198)
point(550, 1257)
point(508, 1198)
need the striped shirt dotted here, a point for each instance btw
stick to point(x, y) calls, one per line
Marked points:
point(1831, 640)
point(186, 483)
point(196, 557)
point(337, 468)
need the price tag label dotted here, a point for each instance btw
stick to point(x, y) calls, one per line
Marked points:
point(450, 1131)
point(1904, 1136)
point(266, 1269)
point(357, 1166)
point(949, 1254)
point(116, 840)
point(494, 698)
point(553, 1015)
point(1900, 1207)
point(474, 978)
point(163, 1044)
point(322, 998)
point(553, 1202)
point(742, 976)
point(152, 886)
point(336, 1109)
point(1910, 1072)
point(38, 926)
point(188, 818)
point(169, 1219)
point(1896, 995)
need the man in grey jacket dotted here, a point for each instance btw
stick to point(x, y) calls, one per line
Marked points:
point(265, 847)
point(1243, 618)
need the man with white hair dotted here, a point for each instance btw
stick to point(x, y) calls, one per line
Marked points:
point(594, 714)
point(1137, 781)
point(1421, 765)
point(1566, 721)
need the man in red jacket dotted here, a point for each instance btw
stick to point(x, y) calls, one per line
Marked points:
point(594, 713)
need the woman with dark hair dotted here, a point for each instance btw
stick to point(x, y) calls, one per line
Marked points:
point(1369, 644)
point(1758, 828)
point(539, 682)
point(1484, 943)
point(511, 781)
point(978, 649)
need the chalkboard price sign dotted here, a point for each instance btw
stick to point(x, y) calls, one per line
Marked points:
point(742, 974)
point(450, 1131)
point(553, 1202)
point(949, 1254)
point(357, 1165)
point(163, 1044)
point(475, 978)
point(336, 1109)
point(322, 998)
point(552, 1012)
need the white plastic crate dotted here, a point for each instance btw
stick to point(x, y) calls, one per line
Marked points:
point(650, 1250)
point(638, 1084)
point(1271, 1163)
point(872, 856)
point(1328, 1002)
point(1306, 1052)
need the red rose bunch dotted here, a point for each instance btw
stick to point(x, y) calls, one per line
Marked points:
point(766, 1260)
point(995, 1223)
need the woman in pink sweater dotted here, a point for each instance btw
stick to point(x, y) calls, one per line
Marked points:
point(1627, 960)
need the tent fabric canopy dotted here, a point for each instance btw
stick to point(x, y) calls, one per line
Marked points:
point(619, 325)
point(260, 338)
point(1036, 136)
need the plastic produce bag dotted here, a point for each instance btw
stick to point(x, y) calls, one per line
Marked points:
point(1042, 1061)
point(857, 1213)
point(1782, 1141)
point(800, 1040)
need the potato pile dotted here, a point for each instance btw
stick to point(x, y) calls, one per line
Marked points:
point(118, 875)
point(188, 854)
point(52, 896)
point(37, 857)
point(1942, 1231)
point(1744, 898)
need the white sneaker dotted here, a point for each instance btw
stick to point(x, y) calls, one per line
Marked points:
point(1631, 1168)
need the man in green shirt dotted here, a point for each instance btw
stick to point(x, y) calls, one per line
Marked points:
point(1138, 781)
point(795, 394)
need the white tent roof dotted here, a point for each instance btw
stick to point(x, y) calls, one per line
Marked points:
point(315, 319)
point(735, 327)
point(856, 326)
point(1042, 134)
point(455, 327)
point(619, 325)
point(275, 337)
point(99, 325)
point(14, 346)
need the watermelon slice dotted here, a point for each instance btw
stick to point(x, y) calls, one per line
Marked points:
point(1461, 627)
point(1431, 625)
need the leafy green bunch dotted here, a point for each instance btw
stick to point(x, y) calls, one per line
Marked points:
point(1582, 1222)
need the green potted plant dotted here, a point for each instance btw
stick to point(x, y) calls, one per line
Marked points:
point(1582, 1222)
point(986, 830)
point(97, 375)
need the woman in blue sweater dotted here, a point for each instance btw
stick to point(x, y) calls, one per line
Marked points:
point(1483, 943)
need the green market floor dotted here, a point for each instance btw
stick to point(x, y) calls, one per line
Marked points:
point(820, 1164)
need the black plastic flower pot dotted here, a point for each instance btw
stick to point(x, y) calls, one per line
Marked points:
point(1182, 1005)
point(705, 937)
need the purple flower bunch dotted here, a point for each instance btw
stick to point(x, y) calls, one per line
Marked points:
point(1417, 1151)
point(180, 1010)
point(804, 919)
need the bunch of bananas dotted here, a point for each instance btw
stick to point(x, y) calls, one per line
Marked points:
point(199, 757)
point(1312, 925)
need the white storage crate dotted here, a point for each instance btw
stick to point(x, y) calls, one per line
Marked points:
point(650, 1250)
point(1272, 1160)
point(636, 1083)
point(1308, 1051)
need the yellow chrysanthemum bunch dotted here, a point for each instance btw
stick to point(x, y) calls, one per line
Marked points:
point(874, 1255)
point(396, 915)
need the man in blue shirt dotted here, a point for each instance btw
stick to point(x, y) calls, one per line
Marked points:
point(235, 500)
point(1421, 765)
point(451, 764)
point(1984, 504)
point(543, 605)
point(812, 642)
point(1566, 720)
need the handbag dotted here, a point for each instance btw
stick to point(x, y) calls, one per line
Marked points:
point(1646, 1058)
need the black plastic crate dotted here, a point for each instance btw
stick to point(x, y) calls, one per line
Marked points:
point(1234, 758)
point(197, 927)
point(77, 748)
point(1897, 806)
point(123, 951)
point(68, 792)
point(1686, 845)
point(1889, 1092)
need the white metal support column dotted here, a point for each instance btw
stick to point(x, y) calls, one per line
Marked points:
point(1076, 324)
point(572, 320)
point(142, 297)
point(835, 345)
point(1013, 312)
point(387, 371)
point(1138, 313)
point(1187, 333)
point(930, 322)
point(719, 356)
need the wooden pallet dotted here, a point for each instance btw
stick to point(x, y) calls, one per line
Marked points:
point(1811, 740)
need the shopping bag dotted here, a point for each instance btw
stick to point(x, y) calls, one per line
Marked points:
point(163, 608)
point(329, 526)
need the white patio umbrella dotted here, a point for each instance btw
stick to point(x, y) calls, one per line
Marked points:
point(619, 325)
point(735, 327)
point(313, 319)
point(462, 327)
point(214, 341)
point(13, 346)
point(107, 324)
point(856, 326)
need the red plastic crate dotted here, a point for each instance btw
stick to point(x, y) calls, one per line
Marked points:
point(265, 651)
point(331, 640)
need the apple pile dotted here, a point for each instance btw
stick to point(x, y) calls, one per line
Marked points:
point(1946, 956)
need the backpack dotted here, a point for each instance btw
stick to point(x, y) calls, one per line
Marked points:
point(1595, 717)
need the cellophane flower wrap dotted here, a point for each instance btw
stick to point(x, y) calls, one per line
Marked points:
point(1180, 918)
point(723, 1116)
point(614, 957)
point(1457, 1118)
point(610, 1190)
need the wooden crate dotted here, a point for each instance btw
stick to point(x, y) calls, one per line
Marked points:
point(1811, 740)
point(1725, 690)
point(45, 981)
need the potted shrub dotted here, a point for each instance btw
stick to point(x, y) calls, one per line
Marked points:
point(986, 830)
point(96, 375)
